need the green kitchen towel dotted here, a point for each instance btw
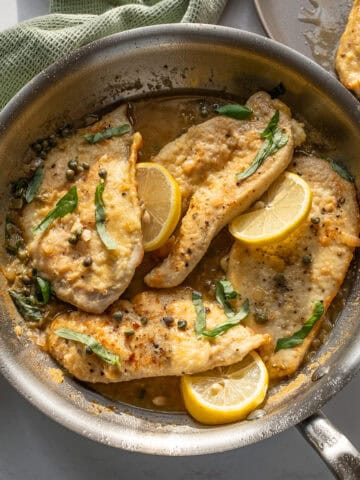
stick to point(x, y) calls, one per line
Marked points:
point(31, 46)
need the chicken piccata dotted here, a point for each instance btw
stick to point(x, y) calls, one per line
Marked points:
point(209, 314)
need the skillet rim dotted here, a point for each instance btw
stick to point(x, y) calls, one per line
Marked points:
point(207, 439)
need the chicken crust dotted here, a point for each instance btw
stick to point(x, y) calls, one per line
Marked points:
point(92, 288)
point(347, 60)
point(205, 161)
point(155, 349)
point(283, 281)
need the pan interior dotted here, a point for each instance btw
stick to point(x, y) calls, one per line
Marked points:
point(162, 61)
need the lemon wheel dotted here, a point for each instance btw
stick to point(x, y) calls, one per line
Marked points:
point(160, 196)
point(226, 394)
point(281, 210)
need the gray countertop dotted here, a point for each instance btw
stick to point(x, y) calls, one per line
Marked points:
point(34, 447)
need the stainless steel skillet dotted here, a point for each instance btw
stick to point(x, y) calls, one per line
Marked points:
point(166, 59)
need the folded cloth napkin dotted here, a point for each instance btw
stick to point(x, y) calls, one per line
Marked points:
point(31, 46)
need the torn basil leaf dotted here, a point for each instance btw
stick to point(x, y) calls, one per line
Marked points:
point(43, 288)
point(200, 321)
point(298, 337)
point(65, 205)
point(13, 237)
point(93, 345)
point(107, 133)
point(34, 185)
point(274, 140)
point(100, 218)
point(25, 307)
point(234, 320)
point(225, 292)
point(341, 170)
point(233, 110)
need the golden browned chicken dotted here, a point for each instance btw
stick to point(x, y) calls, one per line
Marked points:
point(348, 54)
point(70, 253)
point(205, 161)
point(284, 281)
point(152, 336)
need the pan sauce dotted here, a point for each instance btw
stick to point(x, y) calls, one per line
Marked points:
point(151, 118)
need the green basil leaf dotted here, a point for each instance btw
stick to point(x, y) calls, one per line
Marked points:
point(13, 237)
point(91, 344)
point(200, 322)
point(274, 140)
point(277, 90)
point(44, 289)
point(65, 205)
point(298, 337)
point(341, 170)
point(235, 319)
point(233, 110)
point(34, 184)
point(107, 133)
point(25, 307)
point(225, 292)
point(100, 218)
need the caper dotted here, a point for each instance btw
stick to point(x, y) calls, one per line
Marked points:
point(102, 173)
point(168, 321)
point(307, 259)
point(42, 154)
point(88, 351)
point(52, 140)
point(87, 262)
point(118, 315)
point(45, 144)
point(73, 164)
point(144, 321)
point(85, 166)
point(65, 132)
point(79, 169)
point(73, 240)
point(22, 254)
point(37, 147)
point(315, 220)
point(261, 317)
point(70, 174)
point(181, 324)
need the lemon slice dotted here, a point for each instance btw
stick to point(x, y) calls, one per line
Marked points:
point(280, 211)
point(161, 198)
point(226, 394)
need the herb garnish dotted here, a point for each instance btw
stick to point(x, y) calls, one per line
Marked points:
point(43, 288)
point(25, 306)
point(224, 292)
point(34, 184)
point(298, 337)
point(233, 110)
point(93, 345)
point(274, 140)
point(234, 320)
point(107, 133)
point(341, 170)
point(100, 218)
point(65, 205)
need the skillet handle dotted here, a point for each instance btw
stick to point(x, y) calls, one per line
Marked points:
point(338, 453)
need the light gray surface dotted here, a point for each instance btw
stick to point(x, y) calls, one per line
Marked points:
point(34, 447)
